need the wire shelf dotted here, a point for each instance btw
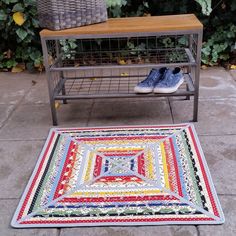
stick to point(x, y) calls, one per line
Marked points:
point(135, 51)
point(117, 58)
point(113, 87)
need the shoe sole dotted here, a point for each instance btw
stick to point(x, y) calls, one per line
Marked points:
point(142, 90)
point(169, 90)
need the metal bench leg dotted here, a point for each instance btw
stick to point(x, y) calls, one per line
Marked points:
point(58, 50)
point(197, 76)
point(64, 93)
point(196, 95)
point(195, 108)
point(187, 89)
point(49, 81)
point(54, 113)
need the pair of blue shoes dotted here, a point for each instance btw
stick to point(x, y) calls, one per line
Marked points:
point(161, 80)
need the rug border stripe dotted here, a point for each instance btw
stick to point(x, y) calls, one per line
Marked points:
point(208, 175)
point(33, 177)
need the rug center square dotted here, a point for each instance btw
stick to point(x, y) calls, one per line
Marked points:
point(119, 167)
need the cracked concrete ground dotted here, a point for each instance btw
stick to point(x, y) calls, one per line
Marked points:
point(25, 121)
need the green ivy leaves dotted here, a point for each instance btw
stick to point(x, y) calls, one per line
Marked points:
point(19, 29)
point(219, 46)
point(18, 7)
point(22, 34)
point(21, 43)
point(9, 1)
point(113, 3)
point(206, 6)
point(115, 6)
point(3, 15)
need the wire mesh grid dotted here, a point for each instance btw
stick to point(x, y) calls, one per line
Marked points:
point(52, 51)
point(193, 45)
point(106, 82)
point(124, 51)
point(119, 58)
point(101, 86)
point(78, 66)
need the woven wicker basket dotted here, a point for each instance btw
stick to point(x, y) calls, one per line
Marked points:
point(64, 14)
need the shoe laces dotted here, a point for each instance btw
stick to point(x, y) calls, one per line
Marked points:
point(165, 77)
point(150, 79)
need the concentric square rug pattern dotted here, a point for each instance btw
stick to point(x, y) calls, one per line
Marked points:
point(135, 175)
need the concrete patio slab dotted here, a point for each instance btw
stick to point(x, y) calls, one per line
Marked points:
point(233, 74)
point(132, 231)
point(5, 111)
point(216, 116)
point(39, 91)
point(15, 86)
point(216, 83)
point(75, 113)
point(220, 153)
point(27, 122)
point(130, 112)
point(8, 207)
point(34, 121)
point(25, 115)
point(18, 159)
point(229, 227)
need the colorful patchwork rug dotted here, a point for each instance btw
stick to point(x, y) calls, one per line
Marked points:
point(135, 175)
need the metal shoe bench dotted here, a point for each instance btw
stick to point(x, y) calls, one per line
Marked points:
point(109, 59)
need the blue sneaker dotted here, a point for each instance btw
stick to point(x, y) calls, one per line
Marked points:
point(170, 82)
point(147, 85)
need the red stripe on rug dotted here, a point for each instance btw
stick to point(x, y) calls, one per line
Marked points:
point(35, 177)
point(119, 220)
point(119, 153)
point(176, 169)
point(120, 199)
point(119, 138)
point(123, 179)
point(123, 127)
point(98, 166)
point(133, 151)
point(141, 163)
point(204, 174)
point(62, 177)
point(70, 171)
